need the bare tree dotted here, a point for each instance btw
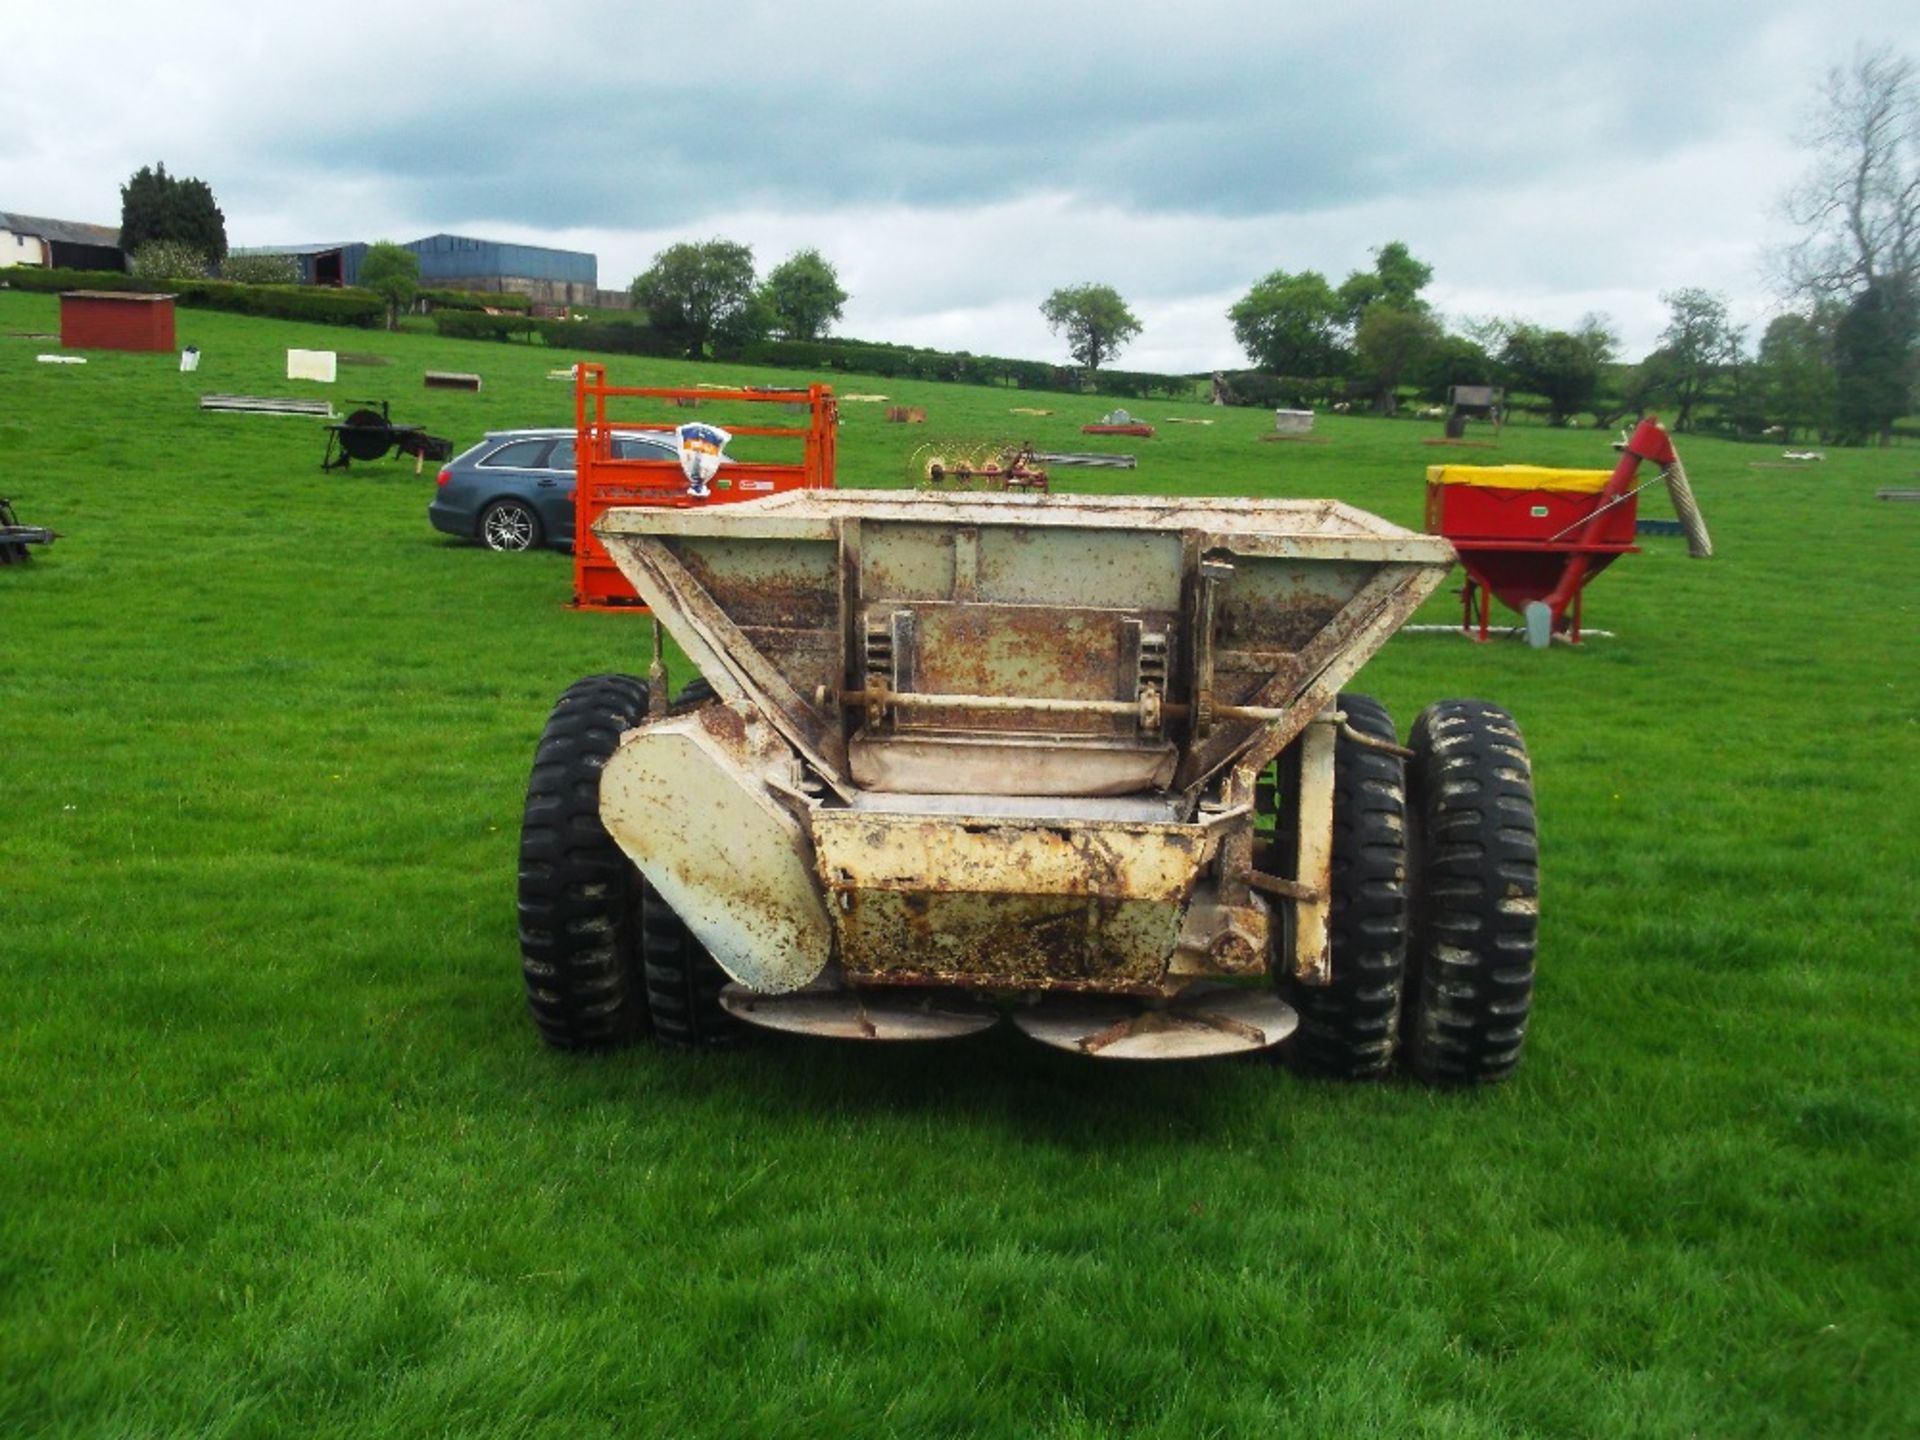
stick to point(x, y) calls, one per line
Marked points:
point(1859, 206)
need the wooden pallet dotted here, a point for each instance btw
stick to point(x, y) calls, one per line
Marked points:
point(267, 405)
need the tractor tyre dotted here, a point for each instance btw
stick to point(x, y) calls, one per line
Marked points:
point(1347, 1025)
point(695, 693)
point(683, 982)
point(579, 894)
point(1475, 871)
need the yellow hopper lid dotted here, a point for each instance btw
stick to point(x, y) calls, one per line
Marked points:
point(1519, 477)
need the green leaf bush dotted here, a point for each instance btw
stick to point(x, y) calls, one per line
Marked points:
point(319, 304)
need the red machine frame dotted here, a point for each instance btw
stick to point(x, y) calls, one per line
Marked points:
point(1542, 545)
point(604, 483)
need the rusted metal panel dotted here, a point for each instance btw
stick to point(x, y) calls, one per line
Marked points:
point(1007, 903)
point(1003, 941)
point(972, 765)
point(686, 798)
point(1344, 643)
point(765, 582)
point(727, 658)
point(988, 854)
point(1030, 652)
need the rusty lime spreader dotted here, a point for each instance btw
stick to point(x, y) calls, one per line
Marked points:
point(1084, 763)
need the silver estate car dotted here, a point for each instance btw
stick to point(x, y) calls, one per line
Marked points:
point(514, 490)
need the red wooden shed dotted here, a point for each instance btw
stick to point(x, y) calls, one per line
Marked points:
point(115, 320)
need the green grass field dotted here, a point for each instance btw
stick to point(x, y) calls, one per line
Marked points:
point(280, 1153)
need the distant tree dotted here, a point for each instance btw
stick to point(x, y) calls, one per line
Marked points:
point(1646, 385)
point(260, 270)
point(393, 273)
point(1698, 345)
point(1096, 320)
point(1452, 360)
point(1290, 324)
point(1873, 366)
point(157, 206)
point(1597, 337)
point(803, 296)
point(1797, 382)
point(1858, 207)
point(699, 293)
point(198, 219)
point(1562, 368)
point(1389, 343)
point(1395, 281)
point(167, 260)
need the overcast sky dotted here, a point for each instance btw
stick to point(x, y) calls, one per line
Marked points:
point(957, 162)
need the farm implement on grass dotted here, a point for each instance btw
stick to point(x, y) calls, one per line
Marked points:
point(15, 537)
point(370, 434)
point(1081, 763)
point(956, 465)
point(605, 482)
point(1535, 537)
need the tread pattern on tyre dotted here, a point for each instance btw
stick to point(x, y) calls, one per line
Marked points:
point(1347, 1026)
point(683, 981)
point(1476, 895)
point(695, 693)
point(579, 895)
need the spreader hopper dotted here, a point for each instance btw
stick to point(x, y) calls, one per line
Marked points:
point(1073, 758)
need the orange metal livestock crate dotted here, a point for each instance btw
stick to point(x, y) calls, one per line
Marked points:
point(604, 483)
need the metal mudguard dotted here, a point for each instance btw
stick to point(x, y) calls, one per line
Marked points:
point(689, 799)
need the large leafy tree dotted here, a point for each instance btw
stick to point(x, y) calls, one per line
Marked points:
point(1290, 324)
point(1796, 373)
point(1452, 360)
point(157, 206)
point(1395, 281)
point(802, 296)
point(699, 293)
point(1697, 347)
point(1560, 366)
point(1873, 364)
point(1095, 320)
point(1390, 344)
point(393, 273)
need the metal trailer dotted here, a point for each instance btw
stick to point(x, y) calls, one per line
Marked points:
point(1083, 763)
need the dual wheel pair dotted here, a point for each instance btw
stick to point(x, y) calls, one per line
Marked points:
point(605, 959)
point(1434, 916)
point(1436, 899)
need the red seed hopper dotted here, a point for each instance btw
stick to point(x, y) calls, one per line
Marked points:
point(1534, 537)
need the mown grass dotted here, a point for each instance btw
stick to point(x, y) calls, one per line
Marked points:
point(281, 1153)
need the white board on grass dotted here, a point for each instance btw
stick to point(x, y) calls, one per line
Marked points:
point(311, 365)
